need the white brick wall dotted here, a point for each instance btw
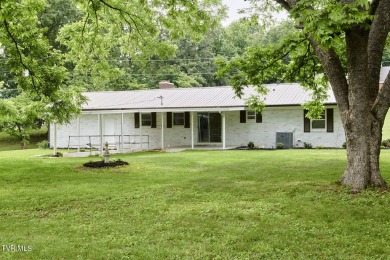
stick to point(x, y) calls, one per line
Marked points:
point(281, 119)
point(275, 119)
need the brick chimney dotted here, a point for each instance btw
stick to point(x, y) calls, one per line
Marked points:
point(165, 84)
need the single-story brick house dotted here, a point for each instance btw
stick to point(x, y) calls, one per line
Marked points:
point(211, 116)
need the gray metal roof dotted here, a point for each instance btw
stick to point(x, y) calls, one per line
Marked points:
point(384, 73)
point(195, 98)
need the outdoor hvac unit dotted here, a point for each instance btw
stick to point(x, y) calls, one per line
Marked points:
point(285, 138)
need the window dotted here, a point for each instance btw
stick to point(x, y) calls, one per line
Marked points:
point(319, 123)
point(146, 119)
point(178, 118)
point(251, 115)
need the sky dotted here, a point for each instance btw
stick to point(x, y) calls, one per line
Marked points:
point(235, 5)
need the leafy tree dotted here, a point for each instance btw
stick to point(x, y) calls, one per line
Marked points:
point(19, 115)
point(277, 32)
point(9, 86)
point(193, 64)
point(33, 64)
point(53, 16)
point(238, 36)
point(186, 62)
point(340, 42)
point(89, 34)
point(112, 31)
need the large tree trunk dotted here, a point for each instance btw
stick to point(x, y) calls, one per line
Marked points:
point(363, 130)
point(363, 135)
point(355, 98)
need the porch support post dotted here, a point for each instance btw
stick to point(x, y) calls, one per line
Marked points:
point(140, 129)
point(78, 133)
point(192, 130)
point(223, 130)
point(162, 130)
point(55, 140)
point(121, 144)
point(101, 132)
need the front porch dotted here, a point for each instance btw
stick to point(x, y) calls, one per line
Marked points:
point(144, 130)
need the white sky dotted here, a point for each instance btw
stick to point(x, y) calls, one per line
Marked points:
point(234, 6)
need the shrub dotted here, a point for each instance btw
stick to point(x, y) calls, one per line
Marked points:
point(319, 147)
point(344, 145)
point(43, 145)
point(279, 146)
point(251, 145)
point(386, 142)
point(307, 145)
point(58, 154)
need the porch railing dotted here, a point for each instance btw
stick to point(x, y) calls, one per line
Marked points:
point(114, 141)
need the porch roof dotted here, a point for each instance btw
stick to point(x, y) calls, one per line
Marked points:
point(220, 98)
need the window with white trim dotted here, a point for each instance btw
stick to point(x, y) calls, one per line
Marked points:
point(319, 123)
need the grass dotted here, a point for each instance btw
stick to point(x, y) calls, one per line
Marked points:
point(195, 204)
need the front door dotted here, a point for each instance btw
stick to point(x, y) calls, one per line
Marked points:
point(209, 127)
point(109, 130)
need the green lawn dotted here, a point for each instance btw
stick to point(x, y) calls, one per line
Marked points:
point(195, 204)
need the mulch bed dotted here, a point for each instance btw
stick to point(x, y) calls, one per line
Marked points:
point(101, 164)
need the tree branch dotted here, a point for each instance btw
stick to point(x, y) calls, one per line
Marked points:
point(6, 25)
point(347, 1)
point(122, 12)
point(330, 63)
point(380, 29)
point(382, 103)
point(13, 39)
point(335, 73)
point(301, 62)
point(281, 57)
point(284, 4)
point(373, 7)
point(85, 24)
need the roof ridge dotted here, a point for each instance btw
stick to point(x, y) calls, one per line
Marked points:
point(182, 89)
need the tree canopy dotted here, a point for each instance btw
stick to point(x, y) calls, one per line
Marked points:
point(52, 47)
